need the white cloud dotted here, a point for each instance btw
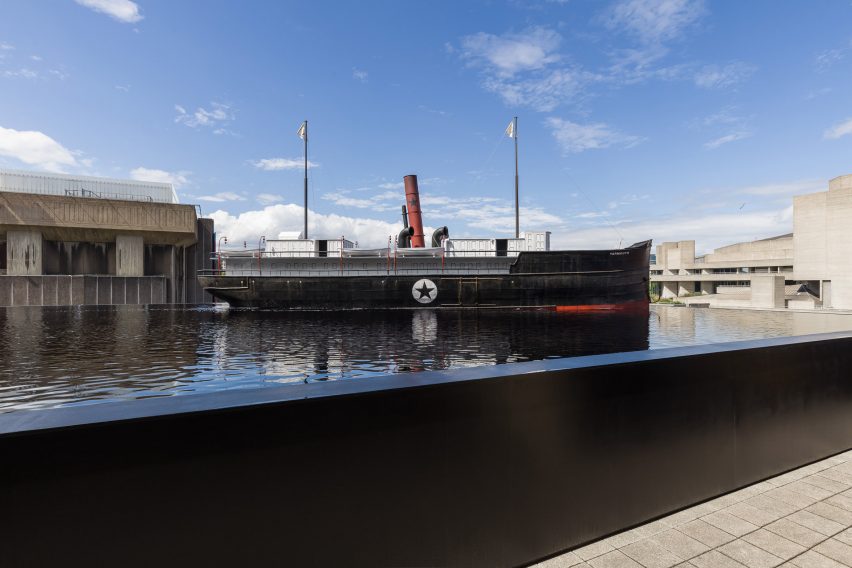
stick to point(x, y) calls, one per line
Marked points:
point(221, 197)
point(274, 164)
point(177, 179)
point(789, 188)
point(733, 137)
point(720, 77)
point(121, 10)
point(518, 67)
point(543, 91)
point(214, 117)
point(574, 138)
point(839, 130)
point(654, 21)
point(826, 59)
point(384, 201)
point(6, 46)
point(35, 149)
point(726, 116)
point(530, 49)
point(22, 72)
point(36, 57)
point(817, 93)
point(269, 198)
point(634, 65)
point(709, 230)
point(392, 185)
point(360, 75)
point(271, 220)
point(123, 88)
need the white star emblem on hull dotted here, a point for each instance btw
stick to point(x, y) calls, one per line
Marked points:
point(424, 291)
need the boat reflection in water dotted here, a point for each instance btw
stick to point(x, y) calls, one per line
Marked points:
point(68, 355)
point(362, 343)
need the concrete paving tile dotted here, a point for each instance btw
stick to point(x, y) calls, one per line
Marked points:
point(752, 491)
point(845, 467)
point(811, 559)
point(729, 523)
point(845, 536)
point(683, 517)
point(821, 465)
point(764, 486)
point(812, 491)
point(706, 533)
point(772, 504)
point(841, 500)
point(651, 554)
point(715, 559)
point(775, 544)
point(625, 538)
point(614, 559)
point(788, 477)
point(705, 509)
point(680, 544)
point(592, 550)
point(797, 533)
point(651, 529)
point(826, 483)
point(836, 475)
point(836, 550)
point(836, 514)
point(749, 554)
point(753, 515)
point(816, 523)
point(567, 560)
point(726, 501)
point(787, 495)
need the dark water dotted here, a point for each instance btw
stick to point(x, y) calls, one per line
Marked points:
point(72, 355)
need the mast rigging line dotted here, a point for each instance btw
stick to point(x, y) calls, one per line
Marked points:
point(595, 207)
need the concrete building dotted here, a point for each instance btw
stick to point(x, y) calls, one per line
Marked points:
point(808, 268)
point(822, 229)
point(129, 243)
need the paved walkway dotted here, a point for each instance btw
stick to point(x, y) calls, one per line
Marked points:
point(801, 519)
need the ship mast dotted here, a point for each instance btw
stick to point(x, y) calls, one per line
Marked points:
point(303, 134)
point(517, 217)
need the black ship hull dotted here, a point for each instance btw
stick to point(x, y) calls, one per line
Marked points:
point(561, 280)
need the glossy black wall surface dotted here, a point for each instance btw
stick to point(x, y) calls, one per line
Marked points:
point(495, 466)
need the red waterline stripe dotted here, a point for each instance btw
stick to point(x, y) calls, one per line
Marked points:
point(585, 308)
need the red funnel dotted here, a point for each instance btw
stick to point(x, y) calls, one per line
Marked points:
point(412, 199)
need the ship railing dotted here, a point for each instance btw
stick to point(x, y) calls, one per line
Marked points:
point(397, 261)
point(461, 271)
point(435, 252)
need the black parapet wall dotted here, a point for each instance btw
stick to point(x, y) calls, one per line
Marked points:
point(492, 466)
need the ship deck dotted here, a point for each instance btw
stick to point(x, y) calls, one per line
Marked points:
point(288, 266)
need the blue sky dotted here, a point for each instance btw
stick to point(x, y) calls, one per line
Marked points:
point(663, 119)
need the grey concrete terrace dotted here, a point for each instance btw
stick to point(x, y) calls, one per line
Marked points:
point(801, 519)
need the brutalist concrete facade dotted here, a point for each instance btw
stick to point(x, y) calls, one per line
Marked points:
point(814, 262)
point(69, 249)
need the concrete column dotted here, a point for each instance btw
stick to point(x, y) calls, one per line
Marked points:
point(767, 291)
point(669, 290)
point(841, 293)
point(684, 288)
point(129, 255)
point(24, 250)
point(706, 287)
